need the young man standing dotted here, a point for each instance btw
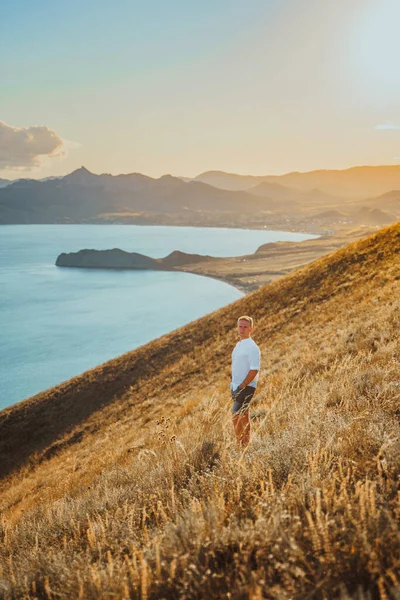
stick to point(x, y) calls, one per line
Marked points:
point(245, 369)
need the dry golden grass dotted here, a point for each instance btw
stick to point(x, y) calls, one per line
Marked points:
point(146, 495)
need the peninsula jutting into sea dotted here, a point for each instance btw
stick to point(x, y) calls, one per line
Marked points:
point(338, 206)
point(246, 272)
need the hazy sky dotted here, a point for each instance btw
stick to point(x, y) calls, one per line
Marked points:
point(261, 87)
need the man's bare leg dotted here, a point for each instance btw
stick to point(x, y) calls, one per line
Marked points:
point(241, 425)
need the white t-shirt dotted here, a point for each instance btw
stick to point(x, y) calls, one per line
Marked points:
point(245, 357)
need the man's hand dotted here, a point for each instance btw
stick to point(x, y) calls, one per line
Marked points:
point(250, 376)
point(236, 391)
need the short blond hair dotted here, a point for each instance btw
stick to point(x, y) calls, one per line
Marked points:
point(246, 318)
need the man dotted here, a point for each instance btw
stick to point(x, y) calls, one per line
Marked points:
point(245, 369)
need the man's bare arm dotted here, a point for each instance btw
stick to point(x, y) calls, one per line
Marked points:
point(249, 378)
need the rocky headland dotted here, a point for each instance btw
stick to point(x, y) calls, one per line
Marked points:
point(247, 273)
point(119, 259)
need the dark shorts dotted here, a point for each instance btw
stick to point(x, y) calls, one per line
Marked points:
point(242, 398)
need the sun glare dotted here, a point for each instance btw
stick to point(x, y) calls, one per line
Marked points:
point(376, 46)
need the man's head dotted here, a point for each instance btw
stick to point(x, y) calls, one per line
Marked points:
point(245, 327)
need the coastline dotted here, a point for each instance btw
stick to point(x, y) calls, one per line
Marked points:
point(241, 287)
point(245, 289)
point(246, 273)
point(256, 227)
point(316, 231)
point(27, 389)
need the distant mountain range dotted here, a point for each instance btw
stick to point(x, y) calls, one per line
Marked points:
point(292, 196)
point(83, 196)
point(357, 182)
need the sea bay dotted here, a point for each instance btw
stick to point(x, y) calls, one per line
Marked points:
point(56, 323)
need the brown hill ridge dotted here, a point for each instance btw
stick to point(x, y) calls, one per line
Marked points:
point(124, 481)
point(41, 420)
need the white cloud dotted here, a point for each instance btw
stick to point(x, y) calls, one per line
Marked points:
point(388, 127)
point(24, 148)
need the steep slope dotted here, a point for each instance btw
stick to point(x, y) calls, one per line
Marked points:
point(45, 417)
point(128, 484)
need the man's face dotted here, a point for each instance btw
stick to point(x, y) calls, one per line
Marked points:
point(244, 329)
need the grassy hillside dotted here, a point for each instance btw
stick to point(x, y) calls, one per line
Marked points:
point(125, 482)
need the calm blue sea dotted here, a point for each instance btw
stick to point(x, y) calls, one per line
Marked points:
point(55, 323)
